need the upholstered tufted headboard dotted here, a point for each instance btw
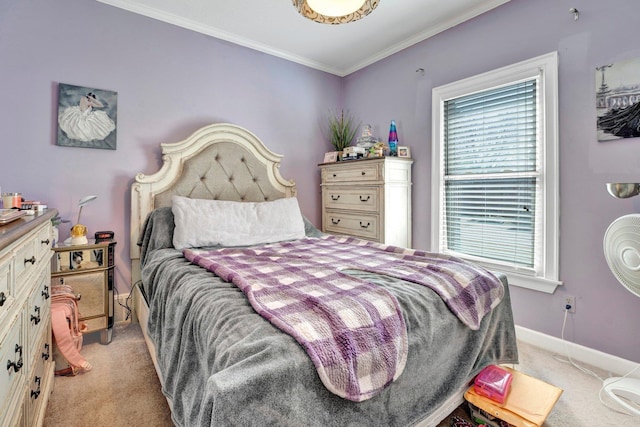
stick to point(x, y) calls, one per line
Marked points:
point(219, 161)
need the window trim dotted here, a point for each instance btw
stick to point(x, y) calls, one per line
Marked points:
point(547, 279)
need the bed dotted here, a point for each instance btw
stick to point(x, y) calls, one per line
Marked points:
point(222, 363)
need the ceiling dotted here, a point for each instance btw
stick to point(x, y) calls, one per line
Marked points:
point(276, 28)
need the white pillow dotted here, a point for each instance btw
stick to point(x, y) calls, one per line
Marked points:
point(200, 222)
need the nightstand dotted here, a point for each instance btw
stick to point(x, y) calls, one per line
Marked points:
point(89, 270)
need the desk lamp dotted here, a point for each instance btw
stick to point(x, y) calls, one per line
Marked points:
point(79, 231)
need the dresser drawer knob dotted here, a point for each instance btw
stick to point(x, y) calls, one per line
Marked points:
point(334, 175)
point(45, 292)
point(365, 199)
point(365, 226)
point(32, 260)
point(335, 221)
point(36, 393)
point(334, 197)
point(3, 298)
point(46, 355)
point(44, 242)
point(363, 173)
point(35, 319)
point(16, 365)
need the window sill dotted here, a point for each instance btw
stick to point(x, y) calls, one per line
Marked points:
point(533, 283)
point(523, 280)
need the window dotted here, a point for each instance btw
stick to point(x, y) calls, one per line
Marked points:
point(495, 174)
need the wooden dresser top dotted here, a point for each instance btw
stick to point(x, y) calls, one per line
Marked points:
point(12, 231)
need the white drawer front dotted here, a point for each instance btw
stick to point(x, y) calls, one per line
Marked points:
point(357, 172)
point(43, 242)
point(38, 309)
point(13, 358)
point(40, 378)
point(360, 199)
point(360, 225)
point(17, 417)
point(6, 296)
point(26, 262)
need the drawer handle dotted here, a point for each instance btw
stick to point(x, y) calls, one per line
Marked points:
point(362, 199)
point(335, 198)
point(44, 242)
point(32, 260)
point(34, 318)
point(46, 355)
point(3, 298)
point(35, 394)
point(16, 365)
point(334, 175)
point(45, 292)
point(365, 226)
point(335, 221)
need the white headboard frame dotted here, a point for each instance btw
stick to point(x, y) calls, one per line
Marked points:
point(219, 161)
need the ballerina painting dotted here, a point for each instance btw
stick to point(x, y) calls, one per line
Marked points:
point(86, 117)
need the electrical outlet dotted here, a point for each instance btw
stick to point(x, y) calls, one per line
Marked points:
point(569, 300)
point(120, 311)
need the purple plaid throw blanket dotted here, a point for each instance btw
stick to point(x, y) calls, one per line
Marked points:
point(352, 330)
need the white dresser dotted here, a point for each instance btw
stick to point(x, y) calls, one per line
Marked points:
point(368, 198)
point(26, 362)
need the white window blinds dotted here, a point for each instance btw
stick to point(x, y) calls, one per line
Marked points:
point(494, 186)
point(491, 175)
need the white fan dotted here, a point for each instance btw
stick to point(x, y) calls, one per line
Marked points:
point(622, 251)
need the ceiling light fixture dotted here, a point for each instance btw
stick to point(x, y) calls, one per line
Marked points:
point(335, 11)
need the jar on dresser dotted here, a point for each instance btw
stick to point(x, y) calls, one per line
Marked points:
point(26, 362)
point(368, 198)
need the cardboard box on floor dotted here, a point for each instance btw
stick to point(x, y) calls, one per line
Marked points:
point(528, 404)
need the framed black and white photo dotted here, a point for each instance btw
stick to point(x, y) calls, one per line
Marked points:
point(403, 151)
point(86, 117)
point(618, 100)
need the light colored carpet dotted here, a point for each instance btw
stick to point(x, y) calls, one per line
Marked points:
point(579, 404)
point(123, 389)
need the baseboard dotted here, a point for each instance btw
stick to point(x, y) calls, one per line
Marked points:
point(120, 312)
point(609, 363)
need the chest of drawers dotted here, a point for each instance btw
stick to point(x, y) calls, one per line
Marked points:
point(26, 370)
point(369, 199)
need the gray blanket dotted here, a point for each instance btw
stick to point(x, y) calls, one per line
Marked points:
point(223, 364)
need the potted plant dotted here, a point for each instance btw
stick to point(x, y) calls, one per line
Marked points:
point(343, 130)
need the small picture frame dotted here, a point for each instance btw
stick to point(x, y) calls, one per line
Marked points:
point(403, 151)
point(330, 157)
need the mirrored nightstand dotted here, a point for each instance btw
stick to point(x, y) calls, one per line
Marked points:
point(89, 270)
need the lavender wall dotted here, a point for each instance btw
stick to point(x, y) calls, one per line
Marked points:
point(606, 313)
point(170, 81)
